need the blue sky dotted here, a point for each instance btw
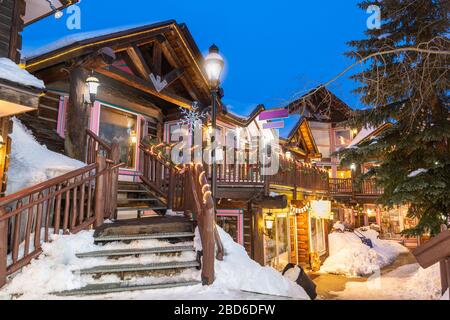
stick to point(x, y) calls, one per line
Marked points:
point(274, 49)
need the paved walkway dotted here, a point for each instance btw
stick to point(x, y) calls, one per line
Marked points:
point(327, 283)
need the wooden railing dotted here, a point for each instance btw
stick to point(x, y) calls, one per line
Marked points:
point(299, 175)
point(95, 147)
point(366, 187)
point(63, 205)
point(185, 189)
point(66, 204)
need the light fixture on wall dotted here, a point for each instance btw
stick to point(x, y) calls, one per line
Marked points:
point(2, 143)
point(269, 222)
point(353, 166)
point(58, 13)
point(92, 84)
point(133, 137)
point(288, 155)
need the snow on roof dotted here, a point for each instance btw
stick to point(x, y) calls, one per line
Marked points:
point(417, 172)
point(364, 133)
point(12, 72)
point(28, 53)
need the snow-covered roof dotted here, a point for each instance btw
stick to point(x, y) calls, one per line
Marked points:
point(364, 133)
point(12, 72)
point(240, 109)
point(29, 53)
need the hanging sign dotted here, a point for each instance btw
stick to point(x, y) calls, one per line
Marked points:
point(274, 114)
point(274, 125)
point(321, 209)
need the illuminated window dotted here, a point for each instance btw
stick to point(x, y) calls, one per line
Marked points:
point(116, 124)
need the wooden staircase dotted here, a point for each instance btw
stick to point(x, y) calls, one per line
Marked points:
point(135, 200)
point(158, 254)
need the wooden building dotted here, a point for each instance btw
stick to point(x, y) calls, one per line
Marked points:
point(147, 74)
point(19, 91)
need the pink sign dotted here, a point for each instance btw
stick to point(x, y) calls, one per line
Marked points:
point(274, 114)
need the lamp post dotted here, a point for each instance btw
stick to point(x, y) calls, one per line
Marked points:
point(214, 65)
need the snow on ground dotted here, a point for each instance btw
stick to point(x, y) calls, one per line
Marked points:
point(237, 277)
point(408, 282)
point(32, 163)
point(12, 72)
point(417, 172)
point(350, 257)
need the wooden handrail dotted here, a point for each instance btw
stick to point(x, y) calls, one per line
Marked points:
point(72, 202)
point(95, 147)
point(186, 189)
point(366, 187)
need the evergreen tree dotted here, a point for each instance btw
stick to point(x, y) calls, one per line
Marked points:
point(408, 88)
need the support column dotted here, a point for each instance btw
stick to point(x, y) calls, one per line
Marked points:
point(78, 114)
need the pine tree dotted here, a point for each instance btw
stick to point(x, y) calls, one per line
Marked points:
point(410, 90)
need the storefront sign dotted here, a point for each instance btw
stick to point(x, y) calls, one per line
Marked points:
point(321, 209)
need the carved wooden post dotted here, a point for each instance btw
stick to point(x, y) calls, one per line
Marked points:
point(77, 115)
point(170, 195)
point(100, 192)
point(115, 155)
point(3, 247)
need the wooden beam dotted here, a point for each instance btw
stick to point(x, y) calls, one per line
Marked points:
point(145, 86)
point(157, 55)
point(139, 62)
point(173, 75)
point(171, 56)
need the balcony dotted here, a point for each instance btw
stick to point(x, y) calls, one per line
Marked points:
point(350, 188)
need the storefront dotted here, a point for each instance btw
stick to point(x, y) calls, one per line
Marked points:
point(277, 248)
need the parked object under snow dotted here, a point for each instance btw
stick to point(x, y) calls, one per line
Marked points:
point(351, 257)
point(12, 72)
point(32, 163)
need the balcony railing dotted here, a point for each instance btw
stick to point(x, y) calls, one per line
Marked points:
point(350, 187)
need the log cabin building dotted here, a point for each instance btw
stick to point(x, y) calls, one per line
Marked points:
point(19, 91)
point(133, 107)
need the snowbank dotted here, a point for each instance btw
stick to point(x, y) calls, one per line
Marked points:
point(364, 133)
point(350, 257)
point(32, 163)
point(12, 72)
point(239, 272)
point(409, 282)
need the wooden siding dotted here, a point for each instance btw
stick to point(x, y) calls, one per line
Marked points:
point(11, 26)
point(303, 239)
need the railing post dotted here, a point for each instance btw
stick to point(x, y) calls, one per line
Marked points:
point(100, 192)
point(171, 190)
point(3, 247)
point(115, 157)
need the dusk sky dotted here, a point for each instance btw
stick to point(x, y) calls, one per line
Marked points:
point(273, 49)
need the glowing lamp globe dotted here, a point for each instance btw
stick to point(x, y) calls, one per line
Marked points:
point(214, 65)
point(92, 84)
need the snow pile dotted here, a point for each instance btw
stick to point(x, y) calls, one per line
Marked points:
point(350, 257)
point(32, 163)
point(409, 282)
point(237, 271)
point(339, 226)
point(12, 72)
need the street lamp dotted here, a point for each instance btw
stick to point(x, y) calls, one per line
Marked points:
point(214, 65)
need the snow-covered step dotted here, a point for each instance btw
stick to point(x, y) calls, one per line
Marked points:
point(95, 289)
point(119, 268)
point(133, 252)
point(135, 237)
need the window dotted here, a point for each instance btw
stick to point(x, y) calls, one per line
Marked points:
point(277, 247)
point(343, 137)
point(318, 236)
point(116, 124)
point(231, 221)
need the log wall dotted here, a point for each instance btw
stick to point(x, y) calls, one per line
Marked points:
point(11, 26)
